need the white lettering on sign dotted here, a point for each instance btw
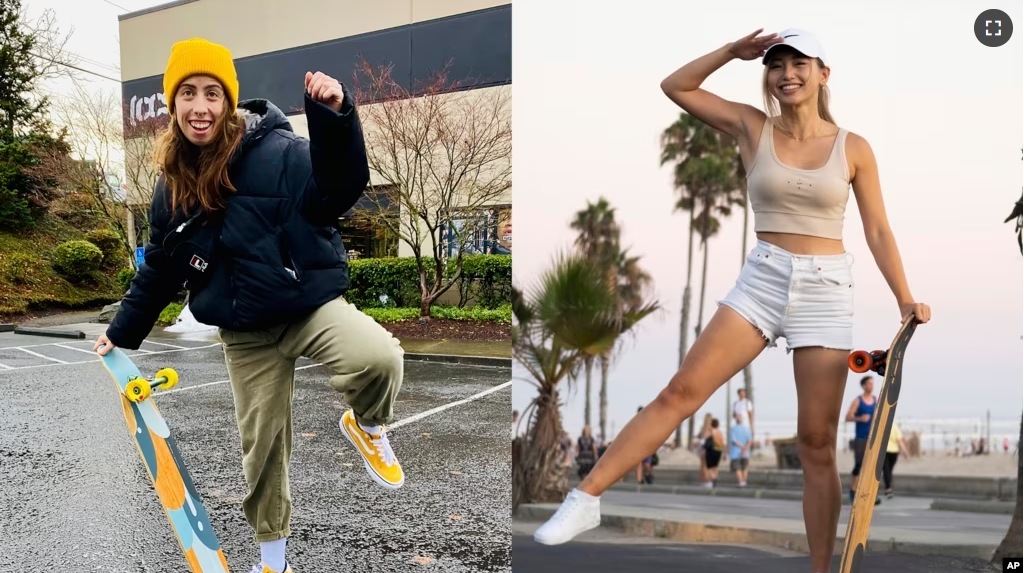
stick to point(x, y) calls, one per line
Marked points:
point(146, 107)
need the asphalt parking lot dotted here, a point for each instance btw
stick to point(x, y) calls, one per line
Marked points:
point(76, 496)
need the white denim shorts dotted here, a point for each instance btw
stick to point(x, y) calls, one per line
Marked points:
point(806, 299)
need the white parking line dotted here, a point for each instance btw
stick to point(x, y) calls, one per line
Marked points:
point(433, 411)
point(6, 367)
point(73, 348)
point(170, 345)
point(205, 384)
point(398, 424)
point(148, 353)
point(37, 355)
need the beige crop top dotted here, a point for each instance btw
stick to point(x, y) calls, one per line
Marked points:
point(798, 201)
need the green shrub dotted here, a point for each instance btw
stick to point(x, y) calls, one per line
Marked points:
point(169, 315)
point(395, 278)
point(502, 314)
point(124, 278)
point(392, 314)
point(109, 244)
point(488, 278)
point(18, 267)
point(77, 259)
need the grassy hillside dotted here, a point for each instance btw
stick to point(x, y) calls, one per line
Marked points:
point(42, 287)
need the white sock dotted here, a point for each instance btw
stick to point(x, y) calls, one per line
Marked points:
point(272, 553)
point(586, 496)
point(372, 430)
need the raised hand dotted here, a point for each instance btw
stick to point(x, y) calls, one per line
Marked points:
point(324, 89)
point(752, 46)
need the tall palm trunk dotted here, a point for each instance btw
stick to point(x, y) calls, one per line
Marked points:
point(1010, 546)
point(603, 413)
point(684, 325)
point(588, 362)
point(748, 375)
point(703, 289)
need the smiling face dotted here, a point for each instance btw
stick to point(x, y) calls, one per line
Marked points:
point(794, 78)
point(199, 106)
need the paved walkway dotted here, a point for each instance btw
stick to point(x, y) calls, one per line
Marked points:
point(605, 551)
point(905, 525)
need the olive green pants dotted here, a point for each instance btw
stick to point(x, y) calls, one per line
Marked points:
point(365, 364)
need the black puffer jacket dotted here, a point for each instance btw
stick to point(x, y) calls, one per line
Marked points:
point(274, 254)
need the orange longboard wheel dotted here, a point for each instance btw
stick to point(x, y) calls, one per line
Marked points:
point(859, 361)
point(137, 390)
point(170, 378)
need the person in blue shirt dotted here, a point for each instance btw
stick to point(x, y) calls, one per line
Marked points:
point(861, 411)
point(739, 452)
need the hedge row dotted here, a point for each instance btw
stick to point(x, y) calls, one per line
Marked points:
point(394, 282)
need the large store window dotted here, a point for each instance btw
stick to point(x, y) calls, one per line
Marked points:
point(482, 231)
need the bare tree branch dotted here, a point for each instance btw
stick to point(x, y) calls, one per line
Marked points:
point(444, 158)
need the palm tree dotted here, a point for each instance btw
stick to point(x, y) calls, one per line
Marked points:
point(568, 315)
point(598, 239)
point(708, 176)
point(632, 293)
point(1011, 543)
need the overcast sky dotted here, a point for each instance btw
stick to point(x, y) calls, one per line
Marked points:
point(941, 111)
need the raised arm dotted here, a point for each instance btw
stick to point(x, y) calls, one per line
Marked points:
point(683, 87)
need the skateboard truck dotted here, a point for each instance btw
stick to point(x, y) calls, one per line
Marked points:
point(861, 361)
point(138, 389)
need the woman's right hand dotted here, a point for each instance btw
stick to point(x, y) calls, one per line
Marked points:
point(103, 342)
point(751, 47)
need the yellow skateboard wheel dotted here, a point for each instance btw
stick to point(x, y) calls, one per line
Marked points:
point(137, 390)
point(170, 375)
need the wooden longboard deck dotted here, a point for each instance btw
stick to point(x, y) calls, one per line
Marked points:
point(856, 538)
point(174, 487)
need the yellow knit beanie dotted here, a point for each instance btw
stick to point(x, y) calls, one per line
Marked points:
point(199, 56)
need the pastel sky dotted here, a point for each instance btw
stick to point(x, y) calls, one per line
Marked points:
point(942, 112)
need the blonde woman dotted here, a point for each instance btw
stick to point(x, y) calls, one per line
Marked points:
point(797, 282)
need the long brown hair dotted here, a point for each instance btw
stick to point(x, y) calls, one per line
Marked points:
point(771, 105)
point(196, 175)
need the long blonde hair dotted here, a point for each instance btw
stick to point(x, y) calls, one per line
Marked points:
point(196, 175)
point(771, 105)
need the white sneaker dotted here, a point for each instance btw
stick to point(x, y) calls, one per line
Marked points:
point(576, 515)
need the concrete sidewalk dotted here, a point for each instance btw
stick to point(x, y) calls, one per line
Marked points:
point(900, 525)
point(908, 484)
point(966, 503)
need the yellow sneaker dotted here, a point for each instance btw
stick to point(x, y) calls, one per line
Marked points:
point(264, 568)
point(378, 457)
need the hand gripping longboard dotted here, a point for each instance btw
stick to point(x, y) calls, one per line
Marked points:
point(888, 364)
point(189, 520)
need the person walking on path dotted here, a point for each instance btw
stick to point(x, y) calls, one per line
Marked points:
point(797, 282)
point(245, 214)
point(714, 447)
point(586, 453)
point(861, 411)
point(739, 452)
point(896, 446)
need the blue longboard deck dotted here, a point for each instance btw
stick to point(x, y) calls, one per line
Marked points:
point(174, 487)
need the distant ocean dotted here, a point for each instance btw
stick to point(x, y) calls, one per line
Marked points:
point(937, 435)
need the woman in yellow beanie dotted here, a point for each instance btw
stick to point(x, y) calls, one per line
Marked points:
point(244, 214)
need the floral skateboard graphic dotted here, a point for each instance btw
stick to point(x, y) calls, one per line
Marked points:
point(174, 487)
